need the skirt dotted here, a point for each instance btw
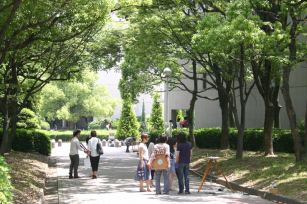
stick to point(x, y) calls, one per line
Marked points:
point(142, 174)
point(172, 169)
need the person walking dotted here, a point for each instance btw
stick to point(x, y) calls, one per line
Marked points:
point(183, 159)
point(142, 173)
point(74, 154)
point(129, 141)
point(172, 172)
point(92, 152)
point(161, 149)
point(152, 142)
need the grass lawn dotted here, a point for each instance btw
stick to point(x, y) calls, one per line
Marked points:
point(257, 171)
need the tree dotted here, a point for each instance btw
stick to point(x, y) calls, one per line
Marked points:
point(27, 119)
point(128, 125)
point(48, 43)
point(179, 116)
point(156, 119)
point(143, 123)
point(71, 100)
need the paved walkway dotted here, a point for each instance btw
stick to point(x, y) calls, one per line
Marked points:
point(116, 183)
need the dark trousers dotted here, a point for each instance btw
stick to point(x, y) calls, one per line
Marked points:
point(183, 171)
point(74, 163)
point(152, 174)
point(94, 162)
point(127, 150)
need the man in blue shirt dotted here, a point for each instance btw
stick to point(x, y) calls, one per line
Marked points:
point(183, 159)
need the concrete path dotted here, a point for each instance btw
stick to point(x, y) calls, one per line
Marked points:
point(115, 183)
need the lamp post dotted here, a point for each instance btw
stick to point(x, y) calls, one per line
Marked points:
point(167, 72)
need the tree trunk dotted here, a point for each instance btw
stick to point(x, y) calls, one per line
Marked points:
point(306, 130)
point(239, 154)
point(298, 147)
point(231, 118)
point(6, 125)
point(225, 126)
point(268, 127)
point(13, 128)
point(276, 104)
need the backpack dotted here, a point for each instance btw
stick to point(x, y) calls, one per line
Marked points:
point(99, 148)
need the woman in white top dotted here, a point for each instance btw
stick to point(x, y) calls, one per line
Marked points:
point(94, 156)
point(153, 141)
point(142, 173)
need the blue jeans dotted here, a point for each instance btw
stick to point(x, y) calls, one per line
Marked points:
point(183, 170)
point(166, 180)
point(127, 150)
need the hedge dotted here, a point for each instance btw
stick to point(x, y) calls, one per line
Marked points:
point(30, 141)
point(66, 138)
point(252, 141)
point(5, 182)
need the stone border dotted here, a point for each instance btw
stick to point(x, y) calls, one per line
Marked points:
point(42, 184)
point(252, 191)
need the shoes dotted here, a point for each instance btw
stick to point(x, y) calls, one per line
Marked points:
point(165, 193)
point(187, 192)
point(71, 177)
point(94, 177)
point(77, 176)
point(159, 193)
point(180, 193)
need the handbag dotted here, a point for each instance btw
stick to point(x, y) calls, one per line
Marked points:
point(87, 163)
point(99, 148)
point(148, 166)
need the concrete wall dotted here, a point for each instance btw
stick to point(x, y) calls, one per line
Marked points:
point(208, 113)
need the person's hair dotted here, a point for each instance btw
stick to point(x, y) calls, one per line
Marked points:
point(76, 132)
point(87, 139)
point(171, 142)
point(185, 118)
point(133, 139)
point(178, 120)
point(163, 138)
point(181, 137)
point(144, 136)
point(153, 138)
point(93, 133)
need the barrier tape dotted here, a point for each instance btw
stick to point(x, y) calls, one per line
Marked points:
point(275, 201)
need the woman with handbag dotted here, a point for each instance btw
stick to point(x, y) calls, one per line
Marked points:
point(152, 142)
point(92, 152)
point(142, 172)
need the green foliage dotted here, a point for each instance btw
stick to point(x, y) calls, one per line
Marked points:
point(179, 116)
point(5, 182)
point(31, 141)
point(27, 120)
point(301, 125)
point(143, 122)
point(156, 120)
point(128, 125)
point(68, 134)
point(71, 100)
point(96, 125)
point(253, 138)
point(44, 125)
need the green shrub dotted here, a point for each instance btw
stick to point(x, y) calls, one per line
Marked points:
point(5, 182)
point(301, 125)
point(253, 138)
point(44, 125)
point(30, 141)
point(27, 120)
point(156, 120)
point(96, 125)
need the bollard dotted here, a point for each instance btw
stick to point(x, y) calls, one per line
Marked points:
point(59, 143)
point(53, 143)
point(116, 144)
point(104, 143)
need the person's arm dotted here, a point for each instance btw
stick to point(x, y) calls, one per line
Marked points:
point(141, 157)
point(168, 163)
point(79, 147)
point(177, 157)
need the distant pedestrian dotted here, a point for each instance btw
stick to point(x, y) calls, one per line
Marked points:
point(129, 141)
point(55, 127)
point(161, 149)
point(178, 123)
point(142, 174)
point(92, 152)
point(183, 159)
point(107, 126)
point(74, 154)
point(152, 142)
point(172, 172)
point(185, 123)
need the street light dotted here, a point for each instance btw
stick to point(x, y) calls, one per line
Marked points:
point(167, 72)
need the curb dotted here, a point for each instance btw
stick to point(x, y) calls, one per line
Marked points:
point(42, 184)
point(277, 198)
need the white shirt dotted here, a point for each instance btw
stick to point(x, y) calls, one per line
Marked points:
point(74, 146)
point(150, 149)
point(92, 146)
point(145, 151)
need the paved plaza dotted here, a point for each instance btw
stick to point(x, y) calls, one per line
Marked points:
point(115, 183)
